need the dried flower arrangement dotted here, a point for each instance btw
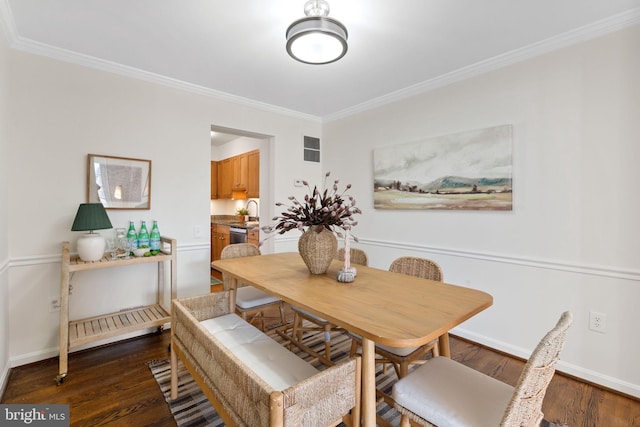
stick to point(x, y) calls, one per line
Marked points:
point(333, 211)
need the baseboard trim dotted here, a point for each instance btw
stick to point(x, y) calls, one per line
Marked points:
point(54, 352)
point(4, 379)
point(605, 382)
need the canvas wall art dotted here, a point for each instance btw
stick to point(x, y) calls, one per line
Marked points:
point(469, 170)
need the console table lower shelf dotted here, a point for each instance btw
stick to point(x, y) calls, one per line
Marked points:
point(111, 325)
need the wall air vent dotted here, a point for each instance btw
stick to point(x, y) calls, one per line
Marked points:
point(311, 149)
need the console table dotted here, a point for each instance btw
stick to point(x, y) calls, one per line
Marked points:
point(78, 332)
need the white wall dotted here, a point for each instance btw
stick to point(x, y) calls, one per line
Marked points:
point(59, 113)
point(4, 232)
point(571, 241)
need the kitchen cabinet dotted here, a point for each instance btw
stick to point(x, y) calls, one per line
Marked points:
point(240, 172)
point(225, 178)
point(83, 331)
point(253, 236)
point(214, 180)
point(253, 174)
point(219, 240)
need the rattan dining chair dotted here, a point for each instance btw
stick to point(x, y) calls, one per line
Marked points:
point(446, 393)
point(251, 303)
point(401, 358)
point(315, 323)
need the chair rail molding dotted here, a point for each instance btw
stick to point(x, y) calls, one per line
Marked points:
point(603, 271)
point(55, 259)
point(611, 272)
point(4, 265)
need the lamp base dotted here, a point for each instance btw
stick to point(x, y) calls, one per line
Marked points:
point(91, 247)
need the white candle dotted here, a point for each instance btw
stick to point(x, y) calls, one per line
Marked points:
point(347, 251)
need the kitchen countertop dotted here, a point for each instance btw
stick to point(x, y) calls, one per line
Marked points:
point(231, 220)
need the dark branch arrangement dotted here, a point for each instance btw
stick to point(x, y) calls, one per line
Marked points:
point(333, 211)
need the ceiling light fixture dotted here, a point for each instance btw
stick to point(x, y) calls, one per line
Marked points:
point(317, 39)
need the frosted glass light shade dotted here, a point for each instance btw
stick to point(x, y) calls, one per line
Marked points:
point(317, 40)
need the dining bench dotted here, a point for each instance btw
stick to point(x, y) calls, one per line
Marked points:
point(249, 378)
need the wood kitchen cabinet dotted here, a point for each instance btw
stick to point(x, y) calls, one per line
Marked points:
point(240, 172)
point(253, 174)
point(253, 236)
point(214, 180)
point(219, 240)
point(225, 178)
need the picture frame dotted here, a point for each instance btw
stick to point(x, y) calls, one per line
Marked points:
point(119, 182)
point(469, 170)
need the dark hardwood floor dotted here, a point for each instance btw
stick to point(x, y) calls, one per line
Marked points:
point(112, 385)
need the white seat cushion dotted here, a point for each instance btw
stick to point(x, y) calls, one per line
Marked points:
point(249, 297)
point(450, 394)
point(316, 319)
point(272, 362)
point(400, 351)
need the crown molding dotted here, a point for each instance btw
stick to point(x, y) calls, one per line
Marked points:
point(582, 34)
point(53, 52)
point(15, 41)
point(7, 23)
point(579, 35)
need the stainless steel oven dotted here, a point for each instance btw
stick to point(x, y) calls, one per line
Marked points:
point(237, 235)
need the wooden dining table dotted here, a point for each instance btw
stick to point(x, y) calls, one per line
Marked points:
point(382, 307)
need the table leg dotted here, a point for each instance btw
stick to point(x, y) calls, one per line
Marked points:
point(443, 345)
point(368, 383)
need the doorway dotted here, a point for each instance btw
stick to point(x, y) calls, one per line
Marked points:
point(229, 143)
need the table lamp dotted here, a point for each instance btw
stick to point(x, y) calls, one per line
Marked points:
point(91, 216)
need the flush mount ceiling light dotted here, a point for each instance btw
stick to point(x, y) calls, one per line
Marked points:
point(317, 39)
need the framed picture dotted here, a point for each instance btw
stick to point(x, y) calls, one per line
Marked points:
point(464, 171)
point(119, 182)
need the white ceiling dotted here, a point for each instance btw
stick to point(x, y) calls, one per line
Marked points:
point(236, 49)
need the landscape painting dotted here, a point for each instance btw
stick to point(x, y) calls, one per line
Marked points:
point(469, 171)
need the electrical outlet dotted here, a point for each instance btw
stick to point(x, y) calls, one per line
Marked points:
point(197, 232)
point(54, 304)
point(597, 321)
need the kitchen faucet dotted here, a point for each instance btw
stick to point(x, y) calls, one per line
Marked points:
point(257, 212)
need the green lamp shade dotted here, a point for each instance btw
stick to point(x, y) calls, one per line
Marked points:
point(91, 216)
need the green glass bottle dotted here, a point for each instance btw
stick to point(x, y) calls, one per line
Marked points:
point(143, 236)
point(154, 239)
point(132, 237)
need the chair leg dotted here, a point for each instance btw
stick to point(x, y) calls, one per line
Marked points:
point(435, 351)
point(404, 421)
point(327, 341)
point(283, 317)
point(297, 323)
point(398, 368)
point(404, 370)
point(354, 348)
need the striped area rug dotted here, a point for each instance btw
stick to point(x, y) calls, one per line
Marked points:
point(192, 409)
